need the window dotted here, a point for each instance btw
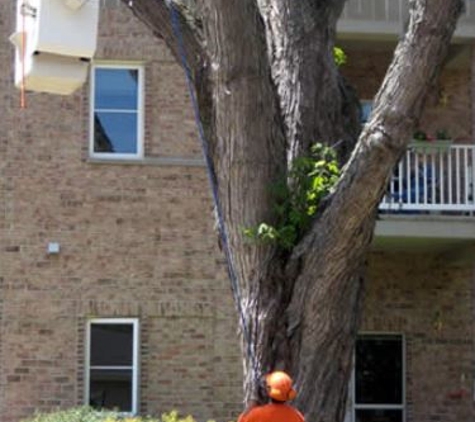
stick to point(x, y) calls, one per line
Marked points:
point(116, 112)
point(378, 380)
point(112, 364)
point(366, 109)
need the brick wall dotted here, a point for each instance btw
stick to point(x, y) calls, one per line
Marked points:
point(424, 296)
point(449, 105)
point(137, 240)
point(429, 299)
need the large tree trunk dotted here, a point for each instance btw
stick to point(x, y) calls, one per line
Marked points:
point(267, 88)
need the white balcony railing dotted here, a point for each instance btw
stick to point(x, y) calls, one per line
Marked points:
point(433, 177)
point(389, 17)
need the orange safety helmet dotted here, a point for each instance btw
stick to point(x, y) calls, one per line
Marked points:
point(279, 386)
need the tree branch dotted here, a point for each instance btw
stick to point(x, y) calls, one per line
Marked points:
point(300, 36)
point(248, 149)
point(157, 16)
point(397, 107)
point(332, 254)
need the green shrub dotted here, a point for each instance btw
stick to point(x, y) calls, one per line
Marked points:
point(312, 178)
point(87, 414)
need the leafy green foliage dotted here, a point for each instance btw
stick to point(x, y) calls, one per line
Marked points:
point(442, 134)
point(311, 179)
point(87, 414)
point(339, 56)
point(80, 414)
point(174, 416)
point(420, 135)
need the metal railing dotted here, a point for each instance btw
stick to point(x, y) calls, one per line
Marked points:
point(110, 3)
point(433, 176)
point(390, 17)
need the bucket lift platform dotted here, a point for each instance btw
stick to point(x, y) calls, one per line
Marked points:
point(54, 40)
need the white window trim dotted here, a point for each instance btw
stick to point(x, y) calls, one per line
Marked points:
point(352, 394)
point(135, 358)
point(140, 112)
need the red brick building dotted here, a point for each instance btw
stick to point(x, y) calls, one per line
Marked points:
point(113, 291)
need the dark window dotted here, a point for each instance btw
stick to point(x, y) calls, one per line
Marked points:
point(111, 344)
point(111, 389)
point(111, 366)
point(378, 415)
point(379, 385)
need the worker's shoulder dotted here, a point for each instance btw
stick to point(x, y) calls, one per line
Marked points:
point(298, 417)
point(292, 414)
point(273, 413)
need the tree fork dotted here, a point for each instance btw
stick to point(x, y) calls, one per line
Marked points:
point(259, 106)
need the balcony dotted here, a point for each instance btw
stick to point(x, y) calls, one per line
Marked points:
point(430, 200)
point(433, 177)
point(387, 19)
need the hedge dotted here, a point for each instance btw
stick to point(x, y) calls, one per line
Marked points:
point(87, 414)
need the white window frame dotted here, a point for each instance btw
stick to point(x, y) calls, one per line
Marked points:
point(352, 395)
point(140, 111)
point(135, 358)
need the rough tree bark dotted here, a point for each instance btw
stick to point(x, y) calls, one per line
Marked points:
point(267, 88)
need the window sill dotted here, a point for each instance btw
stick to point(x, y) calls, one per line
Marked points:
point(149, 161)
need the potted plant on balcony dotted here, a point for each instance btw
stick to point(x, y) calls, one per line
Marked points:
point(420, 135)
point(426, 143)
point(442, 135)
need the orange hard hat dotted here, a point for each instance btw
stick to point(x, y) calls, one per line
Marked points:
point(279, 386)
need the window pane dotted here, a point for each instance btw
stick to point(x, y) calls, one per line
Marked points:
point(366, 108)
point(115, 132)
point(116, 89)
point(111, 344)
point(378, 415)
point(111, 389)
point(378, 370)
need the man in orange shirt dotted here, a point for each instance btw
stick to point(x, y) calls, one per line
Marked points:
point(279, 389)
